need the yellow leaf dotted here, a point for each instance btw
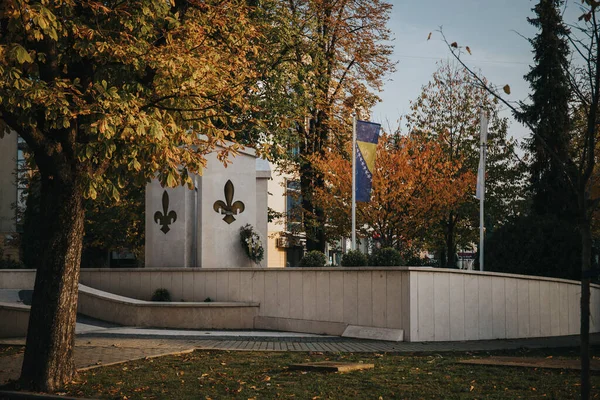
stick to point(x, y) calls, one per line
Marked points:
point(429, 36)
point(506, 89)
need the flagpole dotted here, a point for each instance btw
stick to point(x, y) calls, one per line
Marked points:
point(483, 142)
point(354, 182)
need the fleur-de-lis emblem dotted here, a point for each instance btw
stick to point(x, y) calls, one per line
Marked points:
point(166, 217)
point(227, 208)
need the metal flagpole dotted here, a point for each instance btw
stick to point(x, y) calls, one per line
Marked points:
point(354, 182)
point(483, 142)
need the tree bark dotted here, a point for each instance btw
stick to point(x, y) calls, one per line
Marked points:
point(586, 259)
point(48, 361)
point(450, 244)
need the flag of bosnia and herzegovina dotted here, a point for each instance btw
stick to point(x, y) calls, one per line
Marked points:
point(367, 135)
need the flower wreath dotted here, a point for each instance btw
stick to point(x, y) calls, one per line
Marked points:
point(251, 243)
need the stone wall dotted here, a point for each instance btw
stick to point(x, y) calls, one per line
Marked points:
point(428, 304)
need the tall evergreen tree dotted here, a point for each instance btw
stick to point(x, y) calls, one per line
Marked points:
point(548, 113)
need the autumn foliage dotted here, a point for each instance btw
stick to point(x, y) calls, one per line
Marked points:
point(414, 184)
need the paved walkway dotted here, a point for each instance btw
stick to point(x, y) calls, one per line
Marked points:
point(101, 345)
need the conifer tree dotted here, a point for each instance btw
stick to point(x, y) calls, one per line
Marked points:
point(548, 113)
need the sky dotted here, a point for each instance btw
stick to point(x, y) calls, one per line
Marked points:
point(494, 30)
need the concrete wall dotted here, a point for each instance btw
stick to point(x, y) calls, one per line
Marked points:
point(428, 304)
point(459, 305)
point(17, 278)
point(372, 297)
point(14, 319)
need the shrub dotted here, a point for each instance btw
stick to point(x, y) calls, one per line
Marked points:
point(534, 245)
point(386, 257)
point(313, 259)
point(354, 258)
point(161, 294)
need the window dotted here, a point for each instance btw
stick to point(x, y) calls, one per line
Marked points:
point(293, 206)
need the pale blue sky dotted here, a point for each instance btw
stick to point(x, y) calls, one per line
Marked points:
point(488, 27)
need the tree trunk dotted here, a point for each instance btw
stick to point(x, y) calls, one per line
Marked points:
point(313, 216)
point(586, 259)
point(450, 244)
point(48, 361)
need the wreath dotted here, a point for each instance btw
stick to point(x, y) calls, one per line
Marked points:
point(251, 243)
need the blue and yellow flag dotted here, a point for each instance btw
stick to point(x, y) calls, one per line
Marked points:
point(367, 135)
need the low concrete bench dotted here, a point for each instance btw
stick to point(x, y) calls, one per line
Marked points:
point(14, 316)
point(177, 315)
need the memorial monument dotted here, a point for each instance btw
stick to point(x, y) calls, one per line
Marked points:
point(201, 227)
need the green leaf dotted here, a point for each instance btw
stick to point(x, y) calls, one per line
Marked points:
point(171, 181)
point(115, 193)
point(22, 55)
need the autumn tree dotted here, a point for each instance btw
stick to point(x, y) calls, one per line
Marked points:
point(327, 60)
point(448, 111)
point(106, 90)
point(414, 184)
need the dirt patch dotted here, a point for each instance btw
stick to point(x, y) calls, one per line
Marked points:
point(530, 362)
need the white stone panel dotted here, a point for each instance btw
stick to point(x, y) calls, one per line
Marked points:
point(296, 301)
point(441, 305)
point(534, 309)
point(471, 307)
point(457, 306)
point(145, 286)
point(234, 286)
point(426, 306)
point(545, 309)
point(512, 308)
point(394, 296)
point(498, 308)
point(574, 293)
point(270, 303)
point(283, 294)
point(176, 285)
point(485, 308)
point(336, 296)
point(246, 285)
point(351, 297)
point(220, 241)
point(563, 312)
point(188, 285)
point(258, 289)
point(222, 287)
point(323, 295)
point(211, 285)
point(555, 308)
point(523, 308)
point(379, 288)
point(365, 299)
point(172, 248)
point(309, 295)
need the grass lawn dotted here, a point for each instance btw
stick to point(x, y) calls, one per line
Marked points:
point(264, 375)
